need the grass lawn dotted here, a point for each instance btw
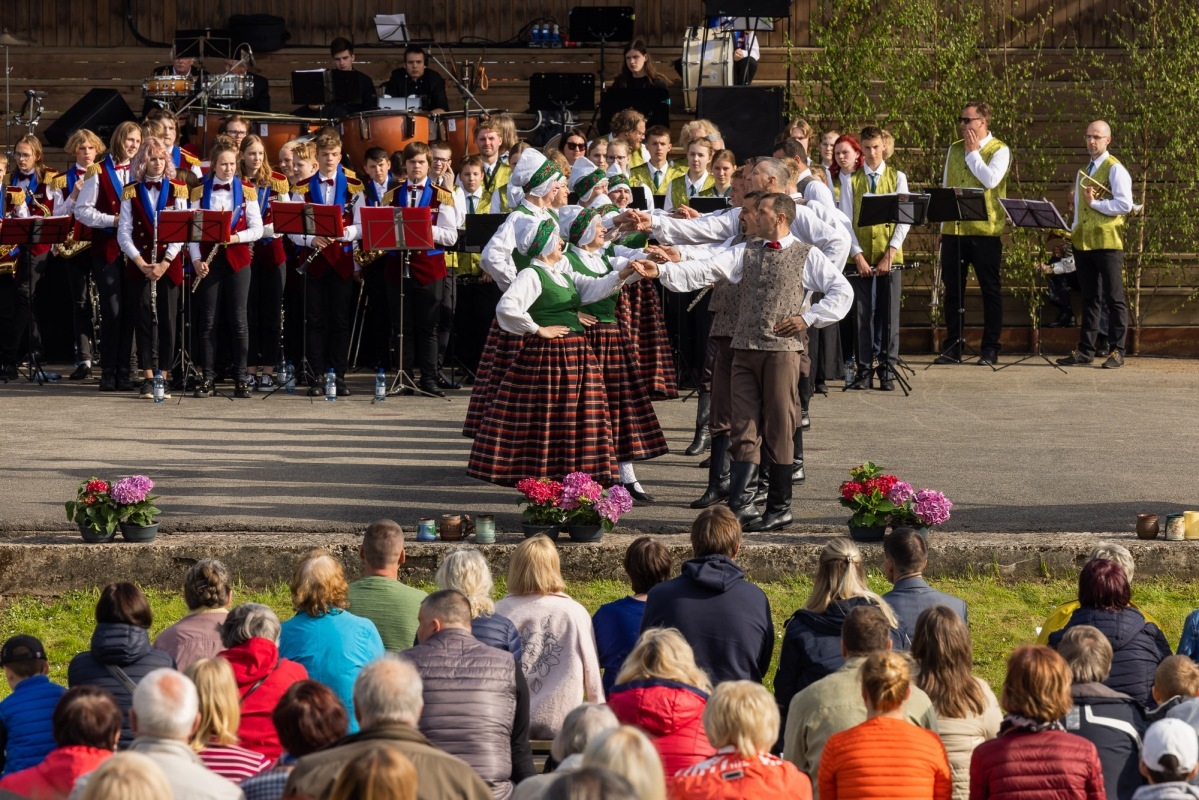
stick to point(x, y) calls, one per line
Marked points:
point(1003, 615)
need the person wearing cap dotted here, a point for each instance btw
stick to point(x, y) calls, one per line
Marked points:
point(537, 179)
point(26, 735)
point(636, 434)
point(1169, 759)
point(549, 415)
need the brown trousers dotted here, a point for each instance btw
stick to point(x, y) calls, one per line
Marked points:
point(720, 418)
point(765, 390)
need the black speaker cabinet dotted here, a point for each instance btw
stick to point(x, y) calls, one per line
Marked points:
point(749, 117)
point(100, 111)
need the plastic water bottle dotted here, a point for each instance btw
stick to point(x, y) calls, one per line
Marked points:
point(557, 40)
point(289, 378)
point(380, 386)
point(160, 387)
point(535, 36)
point(849, 372)
point(330, 385)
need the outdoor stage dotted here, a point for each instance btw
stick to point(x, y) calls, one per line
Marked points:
point(1024, 453)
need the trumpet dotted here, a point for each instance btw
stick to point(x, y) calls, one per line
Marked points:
point(1101, 191)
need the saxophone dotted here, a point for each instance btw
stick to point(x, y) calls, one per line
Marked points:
point(71, 247)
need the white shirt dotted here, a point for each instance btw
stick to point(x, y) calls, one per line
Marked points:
point(85, 207)
point(496, 258)
point(125, 226)
point(223, 201)
point(477, 194)
point(445, 226)
point(1121, 182)
point(512, 312)
point(901, 187)
point(814, 224)
point(817, 192)
point(351, 232)
point(989, 174)
point(64, 204)
point(819, 275)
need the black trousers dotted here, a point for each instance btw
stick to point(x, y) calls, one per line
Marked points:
point(422, 318)
point(23, 336)
point(984, 253)
point(1101, 279)
point(78, 269)
point(445, 324)
point(115, 349)
point(264, 314)
point(229, 291)
point(330, 313)
point(155, 349)
point(377, 326)
point(688, 331)
point(744, 71)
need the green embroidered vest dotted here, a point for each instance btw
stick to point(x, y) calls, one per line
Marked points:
point(678, 190)
point(1095, 231)
point(874, 239)
point(957, 174)
point(556, 305)
point(603, 310)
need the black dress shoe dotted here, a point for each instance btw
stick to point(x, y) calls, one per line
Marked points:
point(407, 391)
point(707, 462)
point(82, 372)
point(1114, 361)
point(949, 357)
point(446, 383)
point(316, 390)
point(821, 388)
point(989, 358)
point(639, 495)
point(126, 385)
point(1075, 358)
point(203, 388)
point(861, 381)
point(108, 383)
point(342, 389)
point(242, 390)
point(429, 386)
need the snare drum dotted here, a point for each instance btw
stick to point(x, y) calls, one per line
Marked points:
point(167, 87)
point(714, 64)
point(230, 88)
point(389, 130)
point(460, 129)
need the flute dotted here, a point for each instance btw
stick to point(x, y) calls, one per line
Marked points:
point(154, 281)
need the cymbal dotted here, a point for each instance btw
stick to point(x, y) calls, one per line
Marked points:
point(12, 40)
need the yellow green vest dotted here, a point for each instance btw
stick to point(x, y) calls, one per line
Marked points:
point(1095, 231)
point(642, 175)
point(957, 174)
point(497, 187)
point(678, 190)
point(874, 239)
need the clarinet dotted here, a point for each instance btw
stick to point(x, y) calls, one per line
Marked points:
point(300, 270)
point(207, 263)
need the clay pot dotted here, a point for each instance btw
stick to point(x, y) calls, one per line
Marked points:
point(1147, 527)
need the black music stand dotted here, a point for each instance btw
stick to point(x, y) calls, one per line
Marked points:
point(652, 101)
point(324, 88)
point(560, 93)
point(956, 204)
point(24, 232)
point(1037, 214)
point(478, 232)
point(708, 205)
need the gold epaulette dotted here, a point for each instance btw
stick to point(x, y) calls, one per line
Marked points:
point(300, 188)
point(444, 196)
point(278, 183)
point(197, 194)
point(189, 158)
point(249, 187)
point(94, 169)
point(388, 196)
point(179, 190)
point(59, 182)
point(350, 173)
point(129, 192)
point(17, 195)
point(353, 184)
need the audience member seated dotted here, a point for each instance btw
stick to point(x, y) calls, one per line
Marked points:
point(1110, 720)
point(834, 703)
point(215, 738)
point(647, 563)
point(725, 618)
point(581, 725)
point(331, 643)
point(1033, 756)
point(1108, 551)
point(251, 634)
point(862, 764)
point(628, 752)
point(1169, 759)
point(1138, 646)
point(121, 654)
point(207, 593)
point(26, 733)
point(812, 637)
point(906, 558)
point(742, 722)
point(591, 783)
point(126, 776)
point(967, 712)
point(166, 710)
point(557, 643)
point(466, 571)
point(476, 700)
point(309, 717)
point(662, 692)
point(388, 701)
point(86, 724)
point(377, 772)
point(379, 595)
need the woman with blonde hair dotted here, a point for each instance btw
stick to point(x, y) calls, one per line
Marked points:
point(627, 752)
point(466, 571)
point(662, 692)
point(861, 764)
point(812, 640)
point(126, 776)
point(967, 712)
point(215, 738)
point(741, 721)
point(558, 646)
point(380, 773)
point(332, 644)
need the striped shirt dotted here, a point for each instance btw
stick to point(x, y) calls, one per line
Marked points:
point(233, 762)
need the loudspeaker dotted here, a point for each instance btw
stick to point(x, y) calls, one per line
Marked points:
point(747, 8)
point(749, 117)
point(100, 111)
point(265, 33)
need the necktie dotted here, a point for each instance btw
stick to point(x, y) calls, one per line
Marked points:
point(156, 185)
point(774, 245)
point(470, 204)
point(873, 178)
point(657, 179)
point(1091, 169)
point(691, 189)
point(220, 187)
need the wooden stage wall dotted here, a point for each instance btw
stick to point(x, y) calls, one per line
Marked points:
point(102, 23)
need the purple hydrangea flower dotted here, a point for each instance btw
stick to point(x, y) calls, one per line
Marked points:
point(900, 493)
point(931, 507)
point(617, 503)
point(576, 487)
point(131, 490)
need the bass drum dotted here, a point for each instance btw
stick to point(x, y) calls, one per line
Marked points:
point(389, 130)
point(707, 61)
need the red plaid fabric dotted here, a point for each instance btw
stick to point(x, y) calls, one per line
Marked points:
point(640, 315)
point(499, 351)
point(636, 434)
point(549, 417)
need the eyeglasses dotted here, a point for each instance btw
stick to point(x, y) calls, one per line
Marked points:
point(576, 145)
point(968, 120)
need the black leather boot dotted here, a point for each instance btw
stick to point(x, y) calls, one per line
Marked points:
point(778, 505)
point(718, 474)
point(703, 411)
point(743, 475)
point(763, 487)
point(797, 473)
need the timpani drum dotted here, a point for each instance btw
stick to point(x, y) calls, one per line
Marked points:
point(386, 129)
point(707, 61)
point(275, 131)
point(460, 128)
point(167, 87)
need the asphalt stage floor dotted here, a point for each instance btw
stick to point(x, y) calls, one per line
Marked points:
point(1023, 449)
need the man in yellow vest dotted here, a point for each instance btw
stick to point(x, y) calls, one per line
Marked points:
point(977, 161)
point(1101, 200)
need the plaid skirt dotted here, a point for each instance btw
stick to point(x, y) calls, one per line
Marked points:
point(547, 418)
point(639, 313)
point(636, 434)
point(498, 353)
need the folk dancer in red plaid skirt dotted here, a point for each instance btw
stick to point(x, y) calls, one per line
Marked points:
point(549, 415)
point(636, 434)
